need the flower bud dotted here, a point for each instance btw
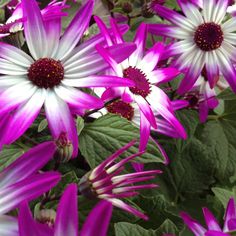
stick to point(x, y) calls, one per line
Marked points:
point(64, 148)
point(127, 7)
point(46, 216)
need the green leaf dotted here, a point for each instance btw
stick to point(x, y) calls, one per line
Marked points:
point(79, 124)
point(3, 3)
point(224, 195)
point(9, 155)
point(227, 95)
point(127, 229)
point(42, 125)
point(104, 136)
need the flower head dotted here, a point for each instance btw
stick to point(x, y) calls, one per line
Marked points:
point(51, 76)
point(140, 67)
point(20, 181)
point(205, 38)
point(105, 181)
point(213, 227)
point(65, 222)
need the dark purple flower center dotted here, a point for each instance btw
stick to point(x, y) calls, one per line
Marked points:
point(193, 99)
point(46, 73)
point(121, 108)
point(209, 36)
point(142, 86)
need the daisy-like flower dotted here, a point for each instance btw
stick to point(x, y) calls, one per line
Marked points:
point(205, 39)
point(213, 227)
point(20, 181)
point(105, 181)
point(140, 67)
point(65, 221)
point(52, 75)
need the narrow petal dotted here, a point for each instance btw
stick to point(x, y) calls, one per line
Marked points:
point(77, 98)
point(26, 189)
point(29, 163)
point(145, 129)
point(193, 225)
point(60, 119)
point(9, 68)
point(140, 41)
point(15, 55)
point(8, 226)
point(34, 29)
point(163, 75)
point(146, 110)
point(16, 95)
point(75, 30)
point(95, 225)
point(67, 213)
point(211, 222)
point(122, 205)
point(229, 214)
point(99, 81)
point(24, 116)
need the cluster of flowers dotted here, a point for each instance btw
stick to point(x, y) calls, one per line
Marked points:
point(126, 79)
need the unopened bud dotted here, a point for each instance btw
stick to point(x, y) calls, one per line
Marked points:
point(46, 216)
point(127, 7)
point(86, 188)
point(64, 148)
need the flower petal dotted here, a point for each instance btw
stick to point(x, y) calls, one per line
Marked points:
point(95, 225)
point(67, 213)
point(8, 226)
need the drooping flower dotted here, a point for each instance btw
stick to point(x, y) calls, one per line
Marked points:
point(106, 182)
point(213, 227)
point(20, 181)
point(66, 220)
point(205, 38)
point(140, 67)
point(52, 76)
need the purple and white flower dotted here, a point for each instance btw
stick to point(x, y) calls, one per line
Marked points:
point(51, 76)
point(20, 181)
point(106, 182)
point(205, 38)
point(213, 227)
point(140, 67)
point(66, 219)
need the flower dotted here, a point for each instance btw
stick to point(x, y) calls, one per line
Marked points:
point(213, 227)
point(52, 76)
point(20, 181)
point(205, 39)
point(66, 220)
point(15, 22)
point(105, 181)
point(140, 67)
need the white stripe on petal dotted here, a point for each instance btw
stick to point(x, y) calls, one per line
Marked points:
point(10, 68)
point(8, 226)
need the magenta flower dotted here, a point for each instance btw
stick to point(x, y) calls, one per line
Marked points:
point(213, 227)
point(206, 38)
point(20, 181)
point(52, 76)
point(202, 98)
point(66, 221)
point(140, 67)
point(105, 181)
point(15, 22)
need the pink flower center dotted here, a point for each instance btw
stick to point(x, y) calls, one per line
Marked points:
point(209, 36)
point(46, 73)
point(121, 108)
point(142, 86)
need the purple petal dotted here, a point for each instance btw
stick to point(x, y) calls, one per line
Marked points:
point(8, 226)
point(34, 29)
point(67, 213)
point(75, 30)
point(193, 225)
point(211, 222)
point(98, 220)
point(27, 189)
point(60, 120)
point(24, 116)
point(230, 214)
point(27, 164)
